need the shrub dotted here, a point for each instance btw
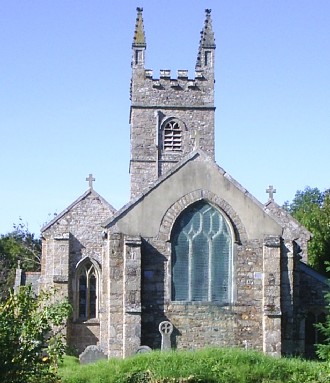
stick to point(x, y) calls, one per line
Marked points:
point(31, 339)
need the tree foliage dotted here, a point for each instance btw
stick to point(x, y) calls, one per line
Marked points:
point(31, 339)
point(17, 246)
point(311, 208)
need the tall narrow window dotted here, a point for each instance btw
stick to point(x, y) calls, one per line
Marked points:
point(138, 57)
point(172, 136)
point(87, 291)
point(201, 255)
point(207, 58)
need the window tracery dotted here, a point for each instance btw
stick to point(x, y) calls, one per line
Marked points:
point(87, 281)
point(201, 256)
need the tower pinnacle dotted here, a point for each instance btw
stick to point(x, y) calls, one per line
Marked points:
point(207, 40)
point(139, 39)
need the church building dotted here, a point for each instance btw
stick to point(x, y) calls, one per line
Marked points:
point(192, 246)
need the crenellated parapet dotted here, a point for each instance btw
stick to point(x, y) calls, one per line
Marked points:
point(166, 89)
point(182, 74)
point(182, 80)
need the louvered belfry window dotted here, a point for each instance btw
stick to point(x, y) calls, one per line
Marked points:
point(87, 291)
point(172, 136)
point(201, 255)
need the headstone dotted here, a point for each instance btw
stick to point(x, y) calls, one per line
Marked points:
point(91, 354)
point(143, 349)
point(166, 329)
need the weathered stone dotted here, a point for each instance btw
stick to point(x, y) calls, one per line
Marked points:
point(143, 349)
point(91, 354)
point(166, 329)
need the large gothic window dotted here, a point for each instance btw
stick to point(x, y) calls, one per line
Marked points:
point(201, 255)
point(172, 136)
point(87, 291)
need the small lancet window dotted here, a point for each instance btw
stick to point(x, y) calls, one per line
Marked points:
point(87, 290)
point(137, 54)
point(207, 58)
point(172, 136)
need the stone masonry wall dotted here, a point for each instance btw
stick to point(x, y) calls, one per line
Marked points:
point(132, 296)
point(293, 230)
point(112, 304)
point(199, 324)
point(81, 335)
point(81, 225)
point(171, 90)
point(272, 314)
point(313, 309)
point(312, 291)
point(154, 101)
point(72, 236)
point(148, 161)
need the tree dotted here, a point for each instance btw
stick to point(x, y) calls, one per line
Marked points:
point(311, 208)
point(31, 328)
point(19, 245)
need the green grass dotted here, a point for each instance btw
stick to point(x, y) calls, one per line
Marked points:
point(204, 366)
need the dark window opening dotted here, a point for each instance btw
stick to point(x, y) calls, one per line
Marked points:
point(87, 291)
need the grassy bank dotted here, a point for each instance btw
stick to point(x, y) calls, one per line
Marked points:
point(205, 366)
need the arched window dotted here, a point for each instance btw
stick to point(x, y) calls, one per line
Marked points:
point(87, 280)
point(172, 136)
point(201, 255)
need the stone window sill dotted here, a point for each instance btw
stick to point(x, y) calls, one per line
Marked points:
point(200, 303)
point(92, 321)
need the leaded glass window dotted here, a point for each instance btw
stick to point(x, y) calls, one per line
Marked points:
point(172, 137)
point(87, 290)
point(201, 255)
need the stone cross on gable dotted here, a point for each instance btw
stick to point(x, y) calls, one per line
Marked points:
point(271, 191)
point(90, 180)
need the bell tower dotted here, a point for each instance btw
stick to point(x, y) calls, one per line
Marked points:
point(169, 117)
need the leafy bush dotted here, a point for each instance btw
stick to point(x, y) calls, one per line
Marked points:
point(31, 341)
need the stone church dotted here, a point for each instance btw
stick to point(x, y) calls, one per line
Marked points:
point(192, 246)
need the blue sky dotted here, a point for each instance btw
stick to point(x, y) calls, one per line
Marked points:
point(64, 95)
